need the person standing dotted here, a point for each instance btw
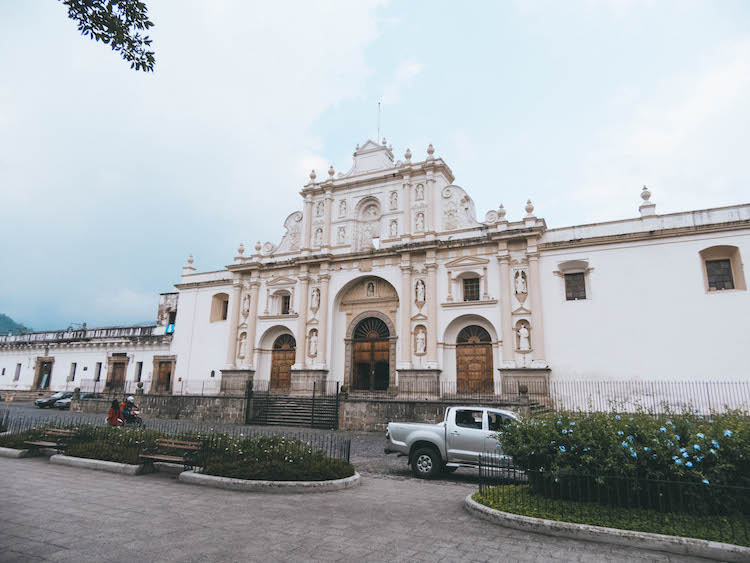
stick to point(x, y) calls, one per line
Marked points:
point(114, 418)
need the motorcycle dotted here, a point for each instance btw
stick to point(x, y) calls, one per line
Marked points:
point(132, 418)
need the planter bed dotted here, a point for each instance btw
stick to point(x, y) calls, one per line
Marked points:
point(628, 538)
point(13, 452)
point(252, 485)
point(97, 464)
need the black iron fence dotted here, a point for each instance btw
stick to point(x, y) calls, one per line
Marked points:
point(221, 444)
point(586, 396)
point(717, 512)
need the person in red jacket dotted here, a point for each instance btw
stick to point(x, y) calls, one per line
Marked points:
point(114, 418)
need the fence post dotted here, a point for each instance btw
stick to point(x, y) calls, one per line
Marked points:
point(312, 415)
point(249, 402)
point(336, 427)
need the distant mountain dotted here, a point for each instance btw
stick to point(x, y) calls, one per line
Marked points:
point(9, 325)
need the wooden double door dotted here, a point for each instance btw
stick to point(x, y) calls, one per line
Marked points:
point(282, 360)
point(372, 355)
point(474, 361)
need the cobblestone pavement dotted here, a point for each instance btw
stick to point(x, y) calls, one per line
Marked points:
point(58, 513)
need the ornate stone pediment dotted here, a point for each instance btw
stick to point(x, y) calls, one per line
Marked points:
point(370, 157)
point(281, 280)
point(521, 311)
point(466, 262)
point(369, 290)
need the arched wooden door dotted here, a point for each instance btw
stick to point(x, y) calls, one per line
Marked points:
point(474, 360)
point(371, 356)
point(282, 359)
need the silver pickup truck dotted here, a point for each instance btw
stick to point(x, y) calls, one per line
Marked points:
point(456, 442)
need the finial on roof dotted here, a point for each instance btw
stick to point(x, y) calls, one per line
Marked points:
point(384, 143)
point(529, 209)
point(407, 155)
point(190, 260)
point(258, 246)
point(501, 212)
point(331, 172)
point(241, 249)
point(313, 175)
point(188, 269)
point(648, 207)
point(430, 152)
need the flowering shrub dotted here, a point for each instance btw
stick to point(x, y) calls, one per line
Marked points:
point(677, 447)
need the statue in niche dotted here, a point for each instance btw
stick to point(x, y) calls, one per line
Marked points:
point(421, 342)
point(371, 213)
point(420, 222)
point(370, 289)
point(246, 305)
point(420, 192)
point(314, 343)
point(242, 346)
point(318, 237)
point(523, 339)
point(367, 243)
point(315, 298)
point(420, 291)
point(521, 282)
point(341, 237)
point(320, 209)
point(342, 208)
point(394, 200)
point(394, 228)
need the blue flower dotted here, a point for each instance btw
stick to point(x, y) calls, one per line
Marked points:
point(620, 432)
point(677, 437)
point(669, 422)
point(705, 482)
point(727, 432)
point(713, 451)
point(633, 453)
point(572, 423)
point(559, 421)
point(678, 461)
point(696, 447)
point(565, 431)
point(663, 429)
point(624, 444)
point(689, 464)
point(699, 458)
point(562, 449)
point(646, 449)
point(685, 455)
point(654, 456)
point(683, 449)
point(715, 443)
point(618, 417)
point(700, 435)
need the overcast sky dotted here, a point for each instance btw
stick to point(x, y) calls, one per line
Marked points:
point(109, 177)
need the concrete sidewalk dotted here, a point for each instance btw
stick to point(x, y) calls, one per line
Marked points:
point(59, 513)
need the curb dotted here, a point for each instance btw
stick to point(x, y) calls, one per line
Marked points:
point(97, 464)
point(13, 453)
point(269, 486)
point(627, 538)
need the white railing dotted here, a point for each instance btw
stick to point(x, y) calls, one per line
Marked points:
point(80, 334)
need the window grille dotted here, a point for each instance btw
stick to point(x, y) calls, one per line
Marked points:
point(285, 301)
point(719, 274)
point(471, 289)
point(575, 286)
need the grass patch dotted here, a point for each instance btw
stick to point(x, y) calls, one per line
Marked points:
point(519, 499)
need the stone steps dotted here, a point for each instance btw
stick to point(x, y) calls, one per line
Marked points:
point(295, 411)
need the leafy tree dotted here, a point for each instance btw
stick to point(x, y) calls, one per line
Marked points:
point(116, 23)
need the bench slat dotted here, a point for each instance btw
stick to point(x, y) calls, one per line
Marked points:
point(42, 444)
point(163, 457)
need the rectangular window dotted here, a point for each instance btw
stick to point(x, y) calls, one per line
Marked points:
point(285, 303)
point(18, 372)
point(224, 309)
point(72, 375)
point(172, 317)
point(98, 371)
point(3, 371)
point(575, 286)
point(719, 274)
point(471, 289)
point(469, 419)
point(138, 370)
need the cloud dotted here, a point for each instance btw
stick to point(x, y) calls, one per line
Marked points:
point(402, 79)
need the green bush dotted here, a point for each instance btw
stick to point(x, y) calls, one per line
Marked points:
point(675, 447)
point(16, 440)
point(109, 443)
point(519, 499)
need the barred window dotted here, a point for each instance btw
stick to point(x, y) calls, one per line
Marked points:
point(575, 286)
point(719, 274)
point(471, 289)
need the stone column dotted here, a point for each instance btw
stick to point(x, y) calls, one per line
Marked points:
point(324, 278)
point(432, 303)
point(535, 289)
point(450, 285)
point(327, 231)
point(252, 321)
point(506, 322)
point(429, 199)
point(404, 303)
point(300, 358)
point(307, 223)
point(485, 289)
point(407, 222)
point(234, 320)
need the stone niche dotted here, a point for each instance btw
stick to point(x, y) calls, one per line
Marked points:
point(536, 380)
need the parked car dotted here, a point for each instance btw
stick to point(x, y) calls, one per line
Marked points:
point(63, 403)
point(456, 442)
point(50, 401)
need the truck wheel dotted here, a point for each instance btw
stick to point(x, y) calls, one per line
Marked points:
point(426, 463)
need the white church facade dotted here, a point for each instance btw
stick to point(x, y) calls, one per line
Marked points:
point(387, 280)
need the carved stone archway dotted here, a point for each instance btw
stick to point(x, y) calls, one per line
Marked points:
point(349, 340)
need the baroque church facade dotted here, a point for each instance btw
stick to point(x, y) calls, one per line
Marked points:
point(387, 280)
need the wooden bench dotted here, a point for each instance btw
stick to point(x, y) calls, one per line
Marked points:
point(187, 458)
point(60, 436)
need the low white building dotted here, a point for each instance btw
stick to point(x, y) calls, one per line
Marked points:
point(387, 280)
